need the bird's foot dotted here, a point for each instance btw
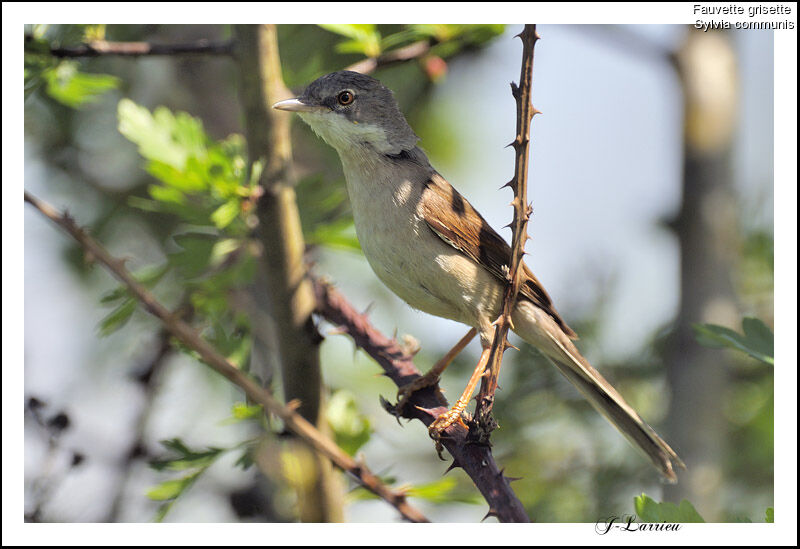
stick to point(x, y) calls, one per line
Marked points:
point(405, 392)
point(441, 423)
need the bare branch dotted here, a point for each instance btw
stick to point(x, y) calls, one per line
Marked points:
point(189, 337)
point(425, 404)
point(407, 53)
point(99, 48)
point(522, 212)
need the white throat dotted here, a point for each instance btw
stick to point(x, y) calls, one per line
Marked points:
point(347, 136)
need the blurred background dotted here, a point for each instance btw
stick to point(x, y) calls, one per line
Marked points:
point(652, 191)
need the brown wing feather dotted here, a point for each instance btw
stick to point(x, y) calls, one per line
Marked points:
point(468, 232)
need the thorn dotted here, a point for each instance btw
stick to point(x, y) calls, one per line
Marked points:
point(339, 330)
point(490, 513)
point(535, 111)
point(511, 345)
point(293, 404)
point(509, 145)
point(452, 466)
point(512, 479)
point(364, 316)
point(429, 411)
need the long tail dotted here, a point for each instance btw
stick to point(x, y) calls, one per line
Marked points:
point(539, 329)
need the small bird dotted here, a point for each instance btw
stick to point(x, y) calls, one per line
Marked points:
point(435, 251)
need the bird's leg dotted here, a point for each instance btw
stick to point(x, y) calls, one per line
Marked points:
point(433, 375)
point(454, 414)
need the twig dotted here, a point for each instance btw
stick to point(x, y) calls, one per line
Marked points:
point(522, 212)
point(189, 337)
point(425, 405)
point(99, 48)
point(401, 55)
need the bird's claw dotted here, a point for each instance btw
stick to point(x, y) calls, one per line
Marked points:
point(405, 392)
point(442, 423)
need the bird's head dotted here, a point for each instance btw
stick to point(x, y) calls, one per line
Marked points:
point(353, 111)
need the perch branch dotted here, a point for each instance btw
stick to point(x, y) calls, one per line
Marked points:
point(519, 225)
point(425, 404)
point(189, 337)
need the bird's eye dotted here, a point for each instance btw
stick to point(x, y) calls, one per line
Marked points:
point(345, 97)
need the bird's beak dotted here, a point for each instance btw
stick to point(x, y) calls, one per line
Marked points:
point(295, 105)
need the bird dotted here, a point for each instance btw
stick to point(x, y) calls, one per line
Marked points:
point(433, 249)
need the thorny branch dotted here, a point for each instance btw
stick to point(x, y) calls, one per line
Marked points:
point(425, 404)
point(189, 337)
point(522, 213)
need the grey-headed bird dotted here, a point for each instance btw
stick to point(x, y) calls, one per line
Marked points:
point(434, 250)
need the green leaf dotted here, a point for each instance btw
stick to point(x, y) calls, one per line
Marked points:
point(183, 458)
point(67, 85)
point(147, 276)
point(398, 39)
point(350, 31)
point(246, 460)
point(758, 340)
point(242, 410)
point(187, 179)
point(351, 429)
point(225, 214)
point(171, 489)
point(117, 318)
point(223, 249)
point(337, 234)
point(648, 510)
point(196, 253)
point(363, 39)
point(443, 491)
point(759, 337)
point(161, 136)
point(770, 515)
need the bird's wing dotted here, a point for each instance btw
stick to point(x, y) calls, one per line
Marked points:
point(468, 232)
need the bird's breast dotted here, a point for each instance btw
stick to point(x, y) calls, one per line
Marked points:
point(410, 259)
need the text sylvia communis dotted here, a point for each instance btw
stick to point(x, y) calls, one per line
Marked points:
point(436, 252)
